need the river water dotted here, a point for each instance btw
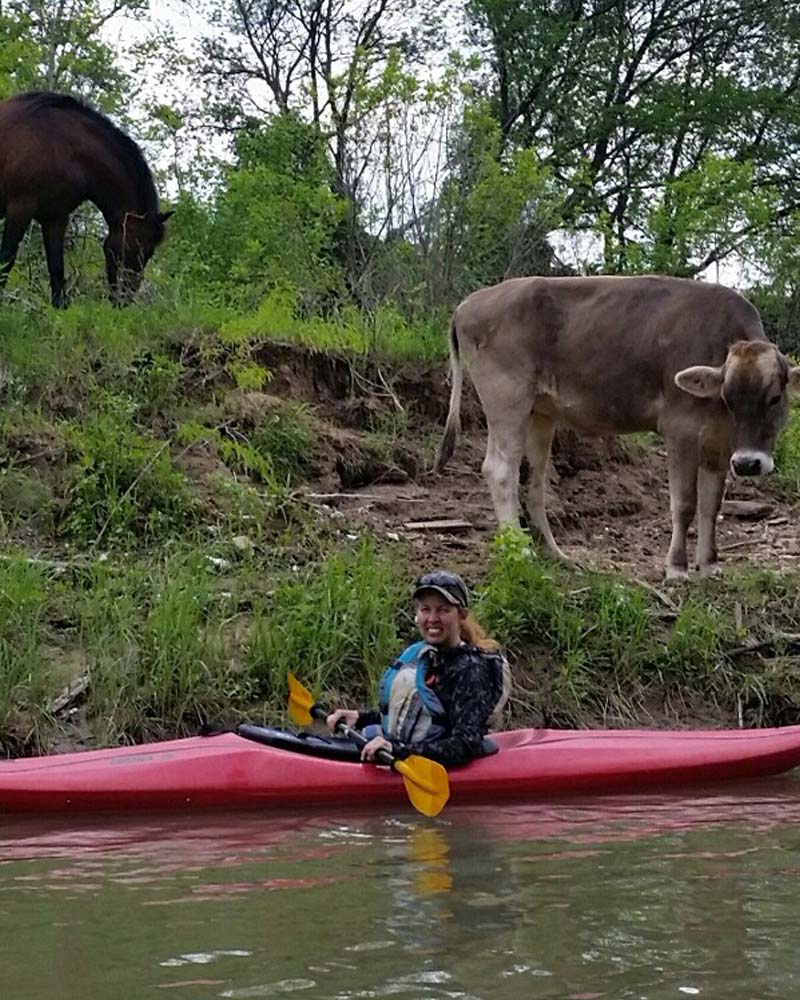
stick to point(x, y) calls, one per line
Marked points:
point(627, 897)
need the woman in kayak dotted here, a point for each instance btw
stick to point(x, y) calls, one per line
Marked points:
point(442, 695)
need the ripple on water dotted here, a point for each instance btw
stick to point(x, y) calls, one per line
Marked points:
point(204, 957)
point(270, 989)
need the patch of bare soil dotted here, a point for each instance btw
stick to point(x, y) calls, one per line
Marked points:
point(612, 517)
point(608, 498)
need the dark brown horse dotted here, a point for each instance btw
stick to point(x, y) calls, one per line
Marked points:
point(55, 153)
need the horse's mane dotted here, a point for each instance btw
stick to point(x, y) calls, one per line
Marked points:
point(125, 146)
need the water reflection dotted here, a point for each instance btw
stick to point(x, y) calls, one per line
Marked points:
point(599, 898)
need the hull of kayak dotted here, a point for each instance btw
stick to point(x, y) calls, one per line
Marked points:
point(233, 772)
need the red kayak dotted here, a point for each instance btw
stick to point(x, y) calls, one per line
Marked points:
point(232, 770)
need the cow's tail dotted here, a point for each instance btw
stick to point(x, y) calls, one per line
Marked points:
point(452, 428)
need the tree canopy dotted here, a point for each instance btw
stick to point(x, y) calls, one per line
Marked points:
point(404, 151)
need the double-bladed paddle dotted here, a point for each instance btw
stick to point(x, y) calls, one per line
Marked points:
point(426, 781)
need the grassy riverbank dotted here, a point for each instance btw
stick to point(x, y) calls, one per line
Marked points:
point(166, 558)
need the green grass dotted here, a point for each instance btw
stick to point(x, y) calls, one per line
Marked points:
point(787, 456)
point(610, 647)
point(174, 641)
point(384, 332)
point(336, 625)
point(124, 486)
point(25, 678)
point(184, 634)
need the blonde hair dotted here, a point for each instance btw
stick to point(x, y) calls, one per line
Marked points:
point(474, 633)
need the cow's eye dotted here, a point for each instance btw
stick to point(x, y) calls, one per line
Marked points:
point(774, 400)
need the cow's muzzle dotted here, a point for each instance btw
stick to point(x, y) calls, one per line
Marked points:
point(751, 463)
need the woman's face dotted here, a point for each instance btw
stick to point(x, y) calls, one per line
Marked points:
point(438, 620)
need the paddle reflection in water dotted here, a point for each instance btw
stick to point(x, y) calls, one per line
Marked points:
point(617, 898)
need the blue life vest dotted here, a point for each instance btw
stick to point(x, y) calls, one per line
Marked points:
point(410, 710)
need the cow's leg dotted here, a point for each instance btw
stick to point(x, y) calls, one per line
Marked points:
point(540, 439)
point(682, 463)
point(53, 235)
point(710, 487)
point(16, 224)
point(504, 449)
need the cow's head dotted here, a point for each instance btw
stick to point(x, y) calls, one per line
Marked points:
point(754, 384)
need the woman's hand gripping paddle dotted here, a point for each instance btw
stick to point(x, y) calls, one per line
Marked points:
point(426, 781)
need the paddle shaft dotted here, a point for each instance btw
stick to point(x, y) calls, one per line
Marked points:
point(360, 740)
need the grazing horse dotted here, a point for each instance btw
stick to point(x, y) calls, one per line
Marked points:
point(56, 153)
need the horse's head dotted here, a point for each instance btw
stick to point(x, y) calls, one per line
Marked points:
point(128, 247)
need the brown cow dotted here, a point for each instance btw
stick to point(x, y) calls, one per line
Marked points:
point(614, 355)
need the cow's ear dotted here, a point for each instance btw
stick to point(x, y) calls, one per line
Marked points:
point(700, 380)
point(794, 379)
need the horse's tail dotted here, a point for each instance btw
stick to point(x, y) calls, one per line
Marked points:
point(452, 428)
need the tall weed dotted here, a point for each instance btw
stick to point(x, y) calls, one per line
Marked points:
point(787, 456)
point(285, 438)
point(334, 625)
point(24, 674)
point(125, 488)
point(383, 332)
point(155, 633)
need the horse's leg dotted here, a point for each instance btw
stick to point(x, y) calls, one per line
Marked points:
point(17, 222)
point(53, 235)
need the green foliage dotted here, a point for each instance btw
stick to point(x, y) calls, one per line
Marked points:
point(26, 496)
point(248, 374)
point(778, 298)
point(334, 624)
point(124, 488)
point(499, 207)
point(706, 208)
point(238, 454)
point(18, 52)
point(155, 634)
point(155, 382)
point(275, 216)
point(787, 455)
point(24, 676)
point(607, 638)
point(653, 145)
point(285, 438)
point(59, 47)
point(696, 640)
point(383, 332)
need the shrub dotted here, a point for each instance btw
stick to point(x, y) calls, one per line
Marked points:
point(125, 487)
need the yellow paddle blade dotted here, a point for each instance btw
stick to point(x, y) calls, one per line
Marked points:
point(301, 701)
point(426, 781)
point(426, 784)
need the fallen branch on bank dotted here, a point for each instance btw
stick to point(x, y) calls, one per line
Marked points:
point(789, 640)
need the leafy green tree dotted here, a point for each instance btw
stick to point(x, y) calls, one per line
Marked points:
point(270, 224)
point(47, 45)
point(327, 63)
point(637, 104)
point(496, 209)
point(18, 52)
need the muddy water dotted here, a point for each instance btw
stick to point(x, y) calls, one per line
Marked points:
point(645, 898)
